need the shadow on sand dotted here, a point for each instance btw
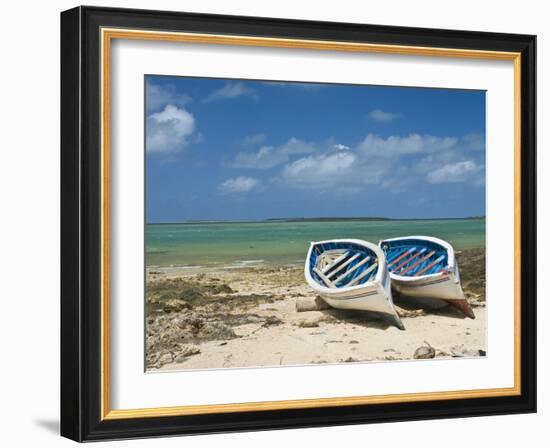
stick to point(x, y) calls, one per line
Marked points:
point(430, 306)
point(365, 319)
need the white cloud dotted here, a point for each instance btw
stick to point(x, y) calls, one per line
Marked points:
point(157, 97)
point(455, 172)
point(168, 131)
point(411, 144)
point(239, 184)
point(231, 90)
point(395, 163)
point(265, 157)
point(382, 116)
point(269, 156)
point(319, 171)
point(295, 146)
point(475, 142)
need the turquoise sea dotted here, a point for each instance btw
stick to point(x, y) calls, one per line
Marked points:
point(234, 244)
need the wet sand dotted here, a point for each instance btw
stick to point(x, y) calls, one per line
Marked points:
point(216, 318)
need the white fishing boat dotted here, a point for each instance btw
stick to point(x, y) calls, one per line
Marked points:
point(351, 275)
point(424, 267)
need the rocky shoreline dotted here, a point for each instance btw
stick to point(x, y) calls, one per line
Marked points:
point(247, 317)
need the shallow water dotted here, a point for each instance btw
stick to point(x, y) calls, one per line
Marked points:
point(242, 244)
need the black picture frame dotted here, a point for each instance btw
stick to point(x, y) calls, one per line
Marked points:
point(81, 224)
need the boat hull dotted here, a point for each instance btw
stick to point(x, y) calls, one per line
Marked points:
point(440, 286)
point(443, 287)
point(373, 296)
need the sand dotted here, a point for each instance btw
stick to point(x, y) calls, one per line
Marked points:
point(216, 318)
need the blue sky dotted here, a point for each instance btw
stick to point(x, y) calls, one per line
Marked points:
point(236, 150)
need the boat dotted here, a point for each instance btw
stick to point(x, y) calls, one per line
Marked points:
point(424, 267)
point(351, 274)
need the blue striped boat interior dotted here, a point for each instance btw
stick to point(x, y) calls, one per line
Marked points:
point(342, 264)
point(414, 257)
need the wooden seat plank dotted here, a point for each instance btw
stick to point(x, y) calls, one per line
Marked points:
point(334, 263)
point(431, 265)
point(412, 266)
point(353, 269)
point(408, 260)
point(343, 265)
point(324, 278)
point(403, 255)
point(362, 275)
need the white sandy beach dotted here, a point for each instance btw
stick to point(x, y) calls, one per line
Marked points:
point(247, 318)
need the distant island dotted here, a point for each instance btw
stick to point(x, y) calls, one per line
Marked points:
point(330, 218)
point(315, 219)
point(363, 218)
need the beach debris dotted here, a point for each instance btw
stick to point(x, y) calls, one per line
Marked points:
point(461, 351)
point(425, 351)
point(349, 359)
point(267, 321)
point(353, 341)
point(402, 312)
point(215, 331)
point(329, 318)
point(174, 305)
point(185, 352)
point(165, 358)
point(308, 324)
point(309, 304)
point(158, 359)
point(178, 292)
point(271, 320)
point(442, 354)
point(472, 270)
point(172, 334)
point(477, 303)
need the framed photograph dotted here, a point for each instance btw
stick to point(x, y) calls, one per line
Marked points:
point(274, 223)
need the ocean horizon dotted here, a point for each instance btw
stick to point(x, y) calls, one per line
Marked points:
point(312, 219)
point(234, 244)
